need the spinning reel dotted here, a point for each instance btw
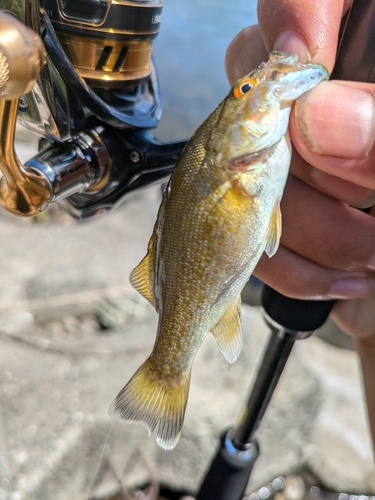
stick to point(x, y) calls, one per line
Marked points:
point(80, 74)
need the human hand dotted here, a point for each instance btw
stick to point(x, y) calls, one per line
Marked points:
point(328, 247)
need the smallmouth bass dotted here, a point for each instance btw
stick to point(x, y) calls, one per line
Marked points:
point(219, 213)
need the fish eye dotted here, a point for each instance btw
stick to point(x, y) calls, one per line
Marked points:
point(243, 87)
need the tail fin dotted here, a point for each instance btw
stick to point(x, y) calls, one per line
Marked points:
point(147, 399)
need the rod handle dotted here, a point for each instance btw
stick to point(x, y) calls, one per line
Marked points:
point(295, 314)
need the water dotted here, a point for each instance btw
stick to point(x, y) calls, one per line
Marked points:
point(189, 54)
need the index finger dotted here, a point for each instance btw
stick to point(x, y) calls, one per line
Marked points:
point(309, 29)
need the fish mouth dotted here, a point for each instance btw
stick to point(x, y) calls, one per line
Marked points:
point(251, 161)
point(292, 77)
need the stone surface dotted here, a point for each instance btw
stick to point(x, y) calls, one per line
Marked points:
point(55, 423)
point(73, 331)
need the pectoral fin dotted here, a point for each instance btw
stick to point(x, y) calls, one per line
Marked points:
point(273, 234)
point(227, 332)
point(142, 277)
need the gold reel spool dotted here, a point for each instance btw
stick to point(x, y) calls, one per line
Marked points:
point(110, 45)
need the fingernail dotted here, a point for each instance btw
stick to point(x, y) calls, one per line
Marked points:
point(350, 288)
point(336, 120)
point(291, 41)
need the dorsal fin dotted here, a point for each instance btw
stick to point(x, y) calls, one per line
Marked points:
point(273, 234)
point(227, 332)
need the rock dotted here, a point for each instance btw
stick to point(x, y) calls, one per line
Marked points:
point(340, 453)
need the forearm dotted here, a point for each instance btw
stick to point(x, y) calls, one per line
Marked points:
point(366, 349)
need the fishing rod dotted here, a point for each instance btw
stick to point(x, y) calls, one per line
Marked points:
point(289, 319)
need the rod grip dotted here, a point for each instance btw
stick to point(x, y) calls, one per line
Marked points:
point(295, 314)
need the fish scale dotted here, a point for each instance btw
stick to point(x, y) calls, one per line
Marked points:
point(219, 213)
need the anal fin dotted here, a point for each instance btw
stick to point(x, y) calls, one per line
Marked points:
point(227, 332)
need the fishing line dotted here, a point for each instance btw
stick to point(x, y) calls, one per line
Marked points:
point(100, 461)
point(343, 29)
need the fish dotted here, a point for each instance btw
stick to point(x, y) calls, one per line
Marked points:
point(220, 211)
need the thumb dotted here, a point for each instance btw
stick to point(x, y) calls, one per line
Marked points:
point(307, 28)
